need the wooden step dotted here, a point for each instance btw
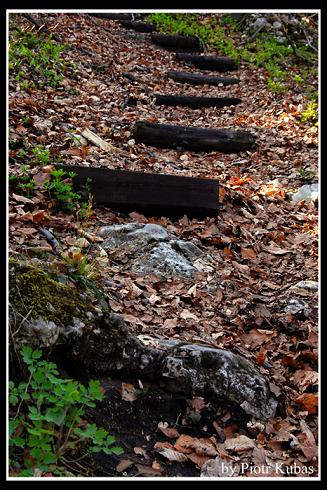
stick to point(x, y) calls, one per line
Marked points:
point(176, 42)
point(213, 63)
point(138, 26)
point(149, 193)
point(200, 78)
point(190, 138)
point(113, 16)
point(195, 102)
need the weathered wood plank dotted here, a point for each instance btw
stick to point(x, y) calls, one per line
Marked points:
point(200, 78)
point(138, 26)
point(151, 194)
point(195, 102)
point(176, 42)
point(214, 63)
point(190, 138)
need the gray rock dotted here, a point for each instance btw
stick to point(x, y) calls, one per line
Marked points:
point(148, 248)
point(306, 193)
point(197, 369)
point(308, 285)
point(298, 307)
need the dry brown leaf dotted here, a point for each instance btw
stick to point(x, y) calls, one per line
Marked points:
point(303, 378)
point(141, 452)
point(27, 231)
point(172, 455)
point(218, 296)
point(197, 459)
point(308, 402)
point(277, 250)
point(261, 357)
point(170, 323)
point(239, 444)
point(124, 464)
point(187, 315)
point(163, 445)
point(147, 470)
point(168, 431)
point(307, 442)
point(256, 337)
point(19, 198)
point(202, 446)
point(128, 392)
point(38, 216)
point(248, 253)
point(25, 217)
point(198, 403)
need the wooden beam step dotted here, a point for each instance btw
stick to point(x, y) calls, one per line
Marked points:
point(195, 102)
point(114, 16)
point(190, 138)
point(213, 63)
point(176, 42)
point(200, 78)
point(138, 26)
point(149, 193)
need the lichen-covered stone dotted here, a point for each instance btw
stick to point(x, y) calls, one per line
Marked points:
point(149, 248)
point(197, 369)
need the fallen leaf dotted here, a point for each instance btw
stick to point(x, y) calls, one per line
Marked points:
point(38, 216)
point(202, 446)
point(256, 337)
point(169, 432)
point(141, 452)
point(147, 470)
point(248, 253)
point(170, 323)
point(218, 296)
point(197, 459)
point(19, 198)
point(308, 402)
point(27, 231)
point(239, 444)
point(124, 464)
point(198, 403)
point(187, 315)
point(172, 455)
point(128, 392)
point(277, 250)
point(261, 357)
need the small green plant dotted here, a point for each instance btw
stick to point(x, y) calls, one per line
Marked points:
point(23, 182)
point(60, 190)
point(46, 419)
point(311, 113)
point(41, 154)
point(276, 87)
point(306, 174)
point(36, 56)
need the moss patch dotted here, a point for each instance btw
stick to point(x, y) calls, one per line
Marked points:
point(32, 289)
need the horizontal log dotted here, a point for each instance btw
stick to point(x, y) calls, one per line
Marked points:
point(138, 26)
point(200, 78)
point(176, 42)
point(195, 102)
point(190, 138)
point(151, 194)
point(112, 16)
point(214, 63)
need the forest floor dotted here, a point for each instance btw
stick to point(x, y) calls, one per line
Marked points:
point(262, 243)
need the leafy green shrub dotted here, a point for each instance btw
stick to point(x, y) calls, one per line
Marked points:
point(46, 419)
point(22, 183)
point(42, 155)
point(311, 113)
point(60, 190)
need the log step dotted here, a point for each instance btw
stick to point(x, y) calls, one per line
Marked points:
point(151, 194)
point(114, 16)
point(190, 138)
point(176, 42)
point(195, 102)
point(200, 78)
point(138, 26)
point(214, 63)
